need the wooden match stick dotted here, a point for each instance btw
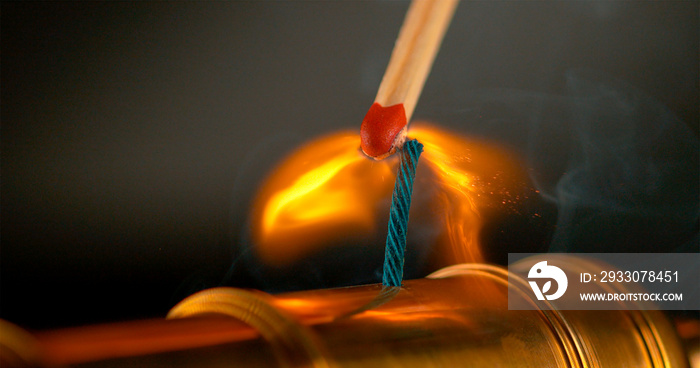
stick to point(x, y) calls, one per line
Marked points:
point(385, 126)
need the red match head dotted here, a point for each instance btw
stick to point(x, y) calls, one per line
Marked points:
point(381, 130)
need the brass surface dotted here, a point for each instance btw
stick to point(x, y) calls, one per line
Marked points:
point(459, 317)
point(455, 317)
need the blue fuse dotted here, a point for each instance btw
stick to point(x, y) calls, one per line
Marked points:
point(398, 216)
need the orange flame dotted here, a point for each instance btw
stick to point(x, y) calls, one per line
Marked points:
point(327, 193)
point(469, 176)
point(324, 191)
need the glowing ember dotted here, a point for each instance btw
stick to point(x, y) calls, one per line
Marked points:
point(328, 193)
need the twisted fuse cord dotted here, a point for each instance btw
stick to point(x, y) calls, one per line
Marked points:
point(398, 215)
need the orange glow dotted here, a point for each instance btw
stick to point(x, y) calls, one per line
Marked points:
point(324, 191)
point(90, 343)
point(328, 193)
point(470, 177)
point(417, 317)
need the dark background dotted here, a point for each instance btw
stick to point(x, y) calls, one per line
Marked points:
point(134, 134)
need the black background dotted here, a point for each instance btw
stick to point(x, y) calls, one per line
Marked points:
point(134, 134)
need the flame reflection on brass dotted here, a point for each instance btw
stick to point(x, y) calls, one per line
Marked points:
point(328, 190)
point(457, 316)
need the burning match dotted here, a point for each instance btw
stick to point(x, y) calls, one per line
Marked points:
point(178, 190)
point(385, 126)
